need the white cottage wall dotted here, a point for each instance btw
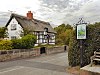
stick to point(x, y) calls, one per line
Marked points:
point(14, 33)
point(40, 35)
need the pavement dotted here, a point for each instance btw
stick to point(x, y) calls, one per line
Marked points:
point(92, 69)
point(54, 64)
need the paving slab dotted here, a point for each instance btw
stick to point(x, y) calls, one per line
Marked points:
point(88, 70)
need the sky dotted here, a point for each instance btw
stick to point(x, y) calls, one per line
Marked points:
point(54, 11)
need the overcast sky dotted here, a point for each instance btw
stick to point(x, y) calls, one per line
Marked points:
point(54, 11)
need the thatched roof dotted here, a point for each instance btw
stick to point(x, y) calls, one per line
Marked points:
point(31, 24)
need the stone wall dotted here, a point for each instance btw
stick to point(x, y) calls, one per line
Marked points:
point(25, 53)
point(19, 53)
point(56, 49)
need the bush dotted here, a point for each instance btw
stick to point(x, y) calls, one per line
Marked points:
point(91, 44)
point(17, 43)
point(5, 45)
point(25, 42)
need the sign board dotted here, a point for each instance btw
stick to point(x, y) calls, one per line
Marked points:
point(81, 31)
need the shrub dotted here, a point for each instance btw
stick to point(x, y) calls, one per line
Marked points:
point(17, 43)
point(25, 42)
point(3, 32)
point(91, 44)
point(73, 52)
point(5, 45)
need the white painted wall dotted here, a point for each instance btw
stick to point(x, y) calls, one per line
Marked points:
point(16, 32)
point(53, 39)
point(19, 29)
point(52, 36)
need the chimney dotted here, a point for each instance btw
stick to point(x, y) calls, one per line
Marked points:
point(30, 15)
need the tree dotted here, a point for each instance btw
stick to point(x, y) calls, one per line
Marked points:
point(3, 32)
point(25, 32)
point(63, 33)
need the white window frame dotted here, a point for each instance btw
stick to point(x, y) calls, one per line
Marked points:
point(13, 37)
point(13, 26)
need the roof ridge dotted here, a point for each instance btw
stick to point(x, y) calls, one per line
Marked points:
point(41, 21)
point(19, 16)
point(31, 24)
point(24, 17)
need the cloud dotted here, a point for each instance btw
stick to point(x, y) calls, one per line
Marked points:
point(19, 7)
point(54, 11)
point(61, 11)
point(3, 21)
point(4, 16)
point(89, 11)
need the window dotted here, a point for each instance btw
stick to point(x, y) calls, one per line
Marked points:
point(13, 37)
point(39, 37)
point(46, 29)
point(13, 26)
point(35, 33)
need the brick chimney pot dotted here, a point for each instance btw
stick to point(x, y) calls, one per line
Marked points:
point(30, 15)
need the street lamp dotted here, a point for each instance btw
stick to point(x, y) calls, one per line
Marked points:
point(81, 35)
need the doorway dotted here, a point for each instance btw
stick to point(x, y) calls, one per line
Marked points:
point(42, 50)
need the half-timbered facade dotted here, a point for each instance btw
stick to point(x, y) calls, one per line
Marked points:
point(43, 30)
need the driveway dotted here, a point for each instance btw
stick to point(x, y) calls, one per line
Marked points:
point(54, 64)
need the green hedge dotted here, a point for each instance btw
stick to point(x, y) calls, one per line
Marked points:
point(5, 45)
point(91, 44)
point(25, 42)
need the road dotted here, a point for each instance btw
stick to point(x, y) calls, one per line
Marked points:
point(54, 64)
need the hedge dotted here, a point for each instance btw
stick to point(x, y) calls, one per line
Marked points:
point(25, 42)
point(91, 44)
point(5, 45)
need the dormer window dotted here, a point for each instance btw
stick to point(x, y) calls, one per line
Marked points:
point(46, 29)
point(13, 27)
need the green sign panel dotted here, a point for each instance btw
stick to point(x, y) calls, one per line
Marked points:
point(81, 31)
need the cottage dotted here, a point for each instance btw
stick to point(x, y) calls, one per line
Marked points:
point(43, 30)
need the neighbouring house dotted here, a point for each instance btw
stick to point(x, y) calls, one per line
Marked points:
point(43, 30)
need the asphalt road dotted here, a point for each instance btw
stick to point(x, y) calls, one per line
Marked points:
point(54, 64)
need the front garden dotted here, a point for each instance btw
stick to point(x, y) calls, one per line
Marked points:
point(24, 48)
point(26, 42)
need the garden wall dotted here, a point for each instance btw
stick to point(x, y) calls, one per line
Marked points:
point(25, 53)
point(54, 50)
point(18, 53)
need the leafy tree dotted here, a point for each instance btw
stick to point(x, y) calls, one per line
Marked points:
point(63, 33)
point(3, 32)
point(25, 32)
point(68, 34)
